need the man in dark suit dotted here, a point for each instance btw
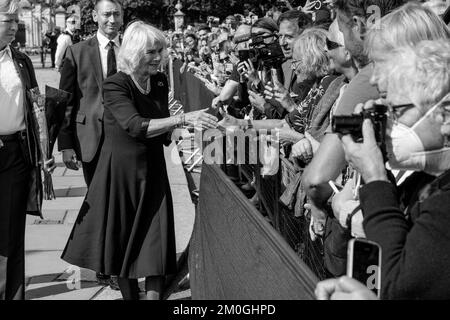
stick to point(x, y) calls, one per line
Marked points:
point(20, 177)
point(292, 24)
point(85, 67)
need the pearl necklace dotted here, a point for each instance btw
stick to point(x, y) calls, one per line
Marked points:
point(142, 90)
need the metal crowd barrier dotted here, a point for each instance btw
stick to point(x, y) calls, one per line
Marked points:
point(269, 189)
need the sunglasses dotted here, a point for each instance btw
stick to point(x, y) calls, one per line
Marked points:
point(331, 45)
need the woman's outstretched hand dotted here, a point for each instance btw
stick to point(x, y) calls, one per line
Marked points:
point(201, 119)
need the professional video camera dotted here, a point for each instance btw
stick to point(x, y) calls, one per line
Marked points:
point(212, 19)
point(353, 124)
point(270, 55)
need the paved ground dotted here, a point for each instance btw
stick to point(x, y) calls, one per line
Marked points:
point(50, 278)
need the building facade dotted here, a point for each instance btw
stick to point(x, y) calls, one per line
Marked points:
point(37, 17)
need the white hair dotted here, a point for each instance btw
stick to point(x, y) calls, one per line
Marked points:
point(421, 73)
point(405, 26)
point(137, 38)
point(10, 6)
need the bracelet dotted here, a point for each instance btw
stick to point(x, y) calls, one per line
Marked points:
point(180, 121)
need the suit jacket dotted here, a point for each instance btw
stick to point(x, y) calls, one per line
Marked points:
point(287, 73)
point(82, 76)
point(27, 77)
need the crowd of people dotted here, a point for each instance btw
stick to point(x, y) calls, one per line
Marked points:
point(386, 180)
point(390, 188)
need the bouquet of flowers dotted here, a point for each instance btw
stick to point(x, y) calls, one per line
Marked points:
point(48, 112)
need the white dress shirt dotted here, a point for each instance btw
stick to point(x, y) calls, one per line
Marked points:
point(104, 47)
point(12, 116)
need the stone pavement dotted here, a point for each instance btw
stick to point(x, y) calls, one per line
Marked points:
point(50, 278)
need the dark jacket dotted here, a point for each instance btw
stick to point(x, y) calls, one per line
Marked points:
point(415, 258)
point(27, 76)
point(82, 76)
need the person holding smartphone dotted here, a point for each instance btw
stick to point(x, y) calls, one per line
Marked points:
point(343, 288)
point(416, 253)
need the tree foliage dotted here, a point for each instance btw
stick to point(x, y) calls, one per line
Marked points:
point(160, 12)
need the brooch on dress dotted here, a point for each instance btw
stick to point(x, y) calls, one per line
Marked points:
point(160, 84)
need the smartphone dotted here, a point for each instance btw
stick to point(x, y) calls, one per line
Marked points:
point(274, 74)
point(229, 68)
point(244, 55)
point(364, 263)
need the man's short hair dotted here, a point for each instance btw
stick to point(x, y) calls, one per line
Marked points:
point(204, 27)
point(303, 20)
point(266, 23)
point(117, 2)
point(73, 15)
point(361, 8)
point(191, 35)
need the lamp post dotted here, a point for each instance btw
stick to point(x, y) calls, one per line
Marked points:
point(178, 17)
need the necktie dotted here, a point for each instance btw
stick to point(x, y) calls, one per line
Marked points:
point(112, 66)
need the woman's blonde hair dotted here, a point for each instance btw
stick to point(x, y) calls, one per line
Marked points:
point(311, 46)
point(405, 26)
point(421, 73)
point(137, 38)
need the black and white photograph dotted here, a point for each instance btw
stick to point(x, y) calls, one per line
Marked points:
point(223, 156)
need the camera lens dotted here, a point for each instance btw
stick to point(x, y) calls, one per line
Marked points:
point(347, 125)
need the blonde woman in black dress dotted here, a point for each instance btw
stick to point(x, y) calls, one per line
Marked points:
point(126, 226)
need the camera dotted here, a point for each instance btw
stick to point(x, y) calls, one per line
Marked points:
point(270, 55)
point(212, 19)
point(245, 55)
point(353, 124)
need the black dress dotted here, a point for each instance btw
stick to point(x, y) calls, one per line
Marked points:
point(125, 226)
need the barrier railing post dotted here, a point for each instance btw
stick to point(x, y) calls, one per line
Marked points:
point(172, 89)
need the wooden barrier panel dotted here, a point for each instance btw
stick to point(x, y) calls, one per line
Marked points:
point(235, 254)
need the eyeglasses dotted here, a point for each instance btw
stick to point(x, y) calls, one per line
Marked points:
point(331, 45)
point(398, 110)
